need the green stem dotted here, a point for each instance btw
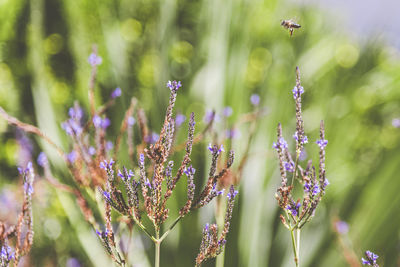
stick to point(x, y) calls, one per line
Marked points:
point(220, 217)
point(144, 229)
point(170, 228)
point(298, 246)
point(157, 247)
point(295, 166)
point(296, 259)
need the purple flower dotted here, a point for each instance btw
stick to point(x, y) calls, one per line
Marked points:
point(280, 144)
point(396, 122)
point(371, 258)
point(107, 195)
point(131, 121)
point(107, 165)
point(233, 194)
point(42, 160)
point(326, 183)
point(109, 145)
point(233, 134)
point(73, 262)
point(105, 123)
point(96, 121)
point(180, 118)
point(116, 93)
point(297, 91)
point(71, 156)
point(94, 59)
point(174, 85)
point(147, 183)
point(303, 155)
point(227, 112)
point(6, 253)
point(322, 143)
point(207, 227)
point(92, 151)
point(342, 227)
point(255, 99)
point(289, 166)
point(294, 208)
point(316, 190)
point(189, 171)
point(28, 169)
point(209, 116)
point(304, 139)
point(214, 148)
point(141, 158)
point(307, 187)
point(152, 138)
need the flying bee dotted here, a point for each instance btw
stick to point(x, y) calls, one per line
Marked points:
point(291, 25)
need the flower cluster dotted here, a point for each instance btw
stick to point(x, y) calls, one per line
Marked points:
point(23, 230)
point(298, 213)
point(370, 259)
point(212, 244)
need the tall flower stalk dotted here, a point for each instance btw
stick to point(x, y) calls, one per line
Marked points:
point(298, 212)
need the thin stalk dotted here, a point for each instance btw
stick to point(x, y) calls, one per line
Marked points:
point(295, 167)
point(144, 229)
point(220, 217)
point(170, 228)
point(298, 245)
point(157, 247)
point(296, 259)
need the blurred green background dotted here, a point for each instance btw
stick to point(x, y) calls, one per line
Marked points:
point(222, 51)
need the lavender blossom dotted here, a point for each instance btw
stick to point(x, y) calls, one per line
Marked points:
point(281, 144)
point(214, 149)
point(255, 99)
point(91, 150)
point(342, 227)
point(289, 166)
point(116, 93)
point(180, 119)
point(94, 59)
point(322, 143)
point(232, 133)
point(294, 208)
point(109, 145)
point(174, 85)
point(42, 160)
point(304, 139)
point(370, 258)
point(131, 121)
point(72, 156)
point(152, 138)
point(210, 116)
point(396, 122)
point(6, 254)
point(227, 112)
point(297, 91)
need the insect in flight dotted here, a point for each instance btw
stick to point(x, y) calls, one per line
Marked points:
point(291, 25)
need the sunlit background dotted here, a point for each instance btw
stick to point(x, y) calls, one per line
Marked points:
point(223, 52)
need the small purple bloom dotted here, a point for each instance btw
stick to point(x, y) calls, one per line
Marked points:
point(289, 166)
point(107, 195)
point(322, 143)
point(99, 233)
point(73, 262)
point(280, 144)
point(209, 116)
point(297, 91)
point(342, 227)
point(255, 99)
point(232, 195)
point(304, 139)
point(42, 160)
point(207, 227)
point(109, 145)
point(180, 118)
point(294, 208)
point(326, 183)
point(307, 187)
point(116, 93)
point(131, 121)
point(233, 134)
point(141, 157)
point(105, 123)
point(92, 151)
point(316, 190)
point(94, 59)
point(71, 156)
point(227, 112)
point(174, 85)
point(371, 258)
point(6, 253)
point(396, 122)
point(107, 165)
point(189, 171)
point(152, 138)
point(147, 183)
point(97, 121)
point(215, 149)
point(303, 155)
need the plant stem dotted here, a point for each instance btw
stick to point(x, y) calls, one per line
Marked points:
point(157, 246)
point(220, 217)
point(298, 245)
point(170, 228)
point(296, 258)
